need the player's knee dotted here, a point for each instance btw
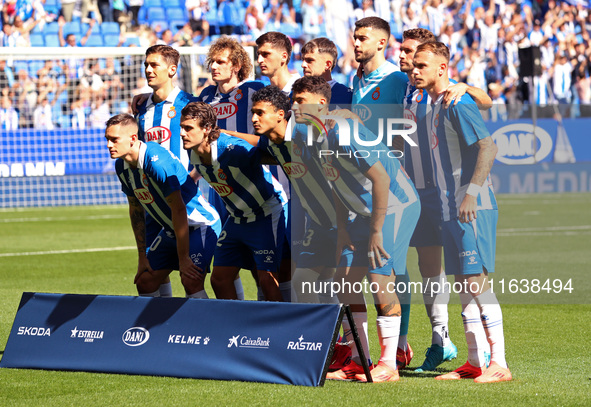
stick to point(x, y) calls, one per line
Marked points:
point(191, 285)
point(147, 283)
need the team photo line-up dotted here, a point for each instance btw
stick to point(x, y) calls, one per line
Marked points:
point(297, 183)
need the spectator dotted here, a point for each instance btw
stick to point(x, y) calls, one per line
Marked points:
point(6, 78)
point(105, 10)
point(68, 9)
point(70, 39)
point(134, 7)
point(228, 16)
point(24, 29)
point(8, 36)
point(99, 112)
point(42, 117)
point(26, 92)
point(119, 14)
point(366, 10)
point(197, 10)
point(254, 21)
point(112, 81)
point(8, 115)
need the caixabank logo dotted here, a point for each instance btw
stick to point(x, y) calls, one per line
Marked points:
point(244, 341)
point(522, 143)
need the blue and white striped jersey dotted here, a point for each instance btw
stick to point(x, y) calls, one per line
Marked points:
point(417, 160)
point(346, 167)
point(233, 109)
point(158, 174)
point(379, 95)
point(454, 133)
point(161, 122)
point(341, 95)
point(305, 175)
point(248, 190)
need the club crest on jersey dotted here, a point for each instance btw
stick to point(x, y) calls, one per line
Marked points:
point(225, 110)
point(419, 96)
point(331, 173)
point(143, 195)
point(222, 189)
point(376, 94)
point(145, 180)
point(171, 113)
point(158, 134)
point(238, 95)
point(295, 170)
point(222, 175)
point(297, 151)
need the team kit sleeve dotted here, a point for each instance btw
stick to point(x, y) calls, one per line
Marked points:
point(467, 120)
point(119, 164)
point(158, 165)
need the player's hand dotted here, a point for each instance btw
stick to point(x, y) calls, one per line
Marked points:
point(468, 209)
point(137, 102)
point(454, 93)
point(376, 253)
point(188, 269)
point(143, 266)
point(343, 242)
point(342, 113)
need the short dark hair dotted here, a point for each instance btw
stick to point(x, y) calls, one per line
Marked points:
point(277, 40)
point(170, 55)
point(123, 119)
point(321, 45)
point(205, 116)
point(421, 35)
point(274, 96)
point(238, 55)
point(376, 23)
point(436, 48)
point(312, 84)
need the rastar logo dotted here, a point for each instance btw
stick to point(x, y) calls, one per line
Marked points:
point(295, 170)
point(225, 110)
point(221, 189)
point(143, 195)
point(517, 144)
point(158, 134)
point(135, 336)
point(33, 331)
point(303, 345)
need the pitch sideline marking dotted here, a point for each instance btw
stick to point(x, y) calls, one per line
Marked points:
point(91, 250)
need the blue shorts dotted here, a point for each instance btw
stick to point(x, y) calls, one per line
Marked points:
point(470, 247)
point(397, 230)
point(262, 240)
point(162, 254)
point(318, 248)
point(428, 230)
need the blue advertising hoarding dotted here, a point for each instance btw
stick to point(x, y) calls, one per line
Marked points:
point(180, 337)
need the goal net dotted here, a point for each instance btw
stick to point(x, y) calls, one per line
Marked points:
point(52, 115)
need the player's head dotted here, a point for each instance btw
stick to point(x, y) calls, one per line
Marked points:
point(273, 53)
point(270, 108)
point(311, 96)
point(160, 65)
point(318, 56)
point(411, 39)
point(226, 58)
point(430, 64)
point(121, 134)
point(198, 126)
point(371, 38)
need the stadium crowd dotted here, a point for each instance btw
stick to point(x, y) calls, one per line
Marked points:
point(484, 38)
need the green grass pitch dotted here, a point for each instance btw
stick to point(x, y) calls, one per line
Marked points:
point(547, 333)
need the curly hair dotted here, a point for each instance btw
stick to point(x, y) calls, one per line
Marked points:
point(419, 34)
point(238, 55)
point(274, 96)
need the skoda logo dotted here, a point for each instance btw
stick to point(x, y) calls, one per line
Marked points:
point(135, 336)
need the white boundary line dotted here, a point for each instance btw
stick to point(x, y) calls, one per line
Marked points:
point(62, 218)
point(92, 250)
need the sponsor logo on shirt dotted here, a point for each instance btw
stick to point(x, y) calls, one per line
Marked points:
point(143, 195)
point(225, 110)
point(158, 134)
point(295, 170)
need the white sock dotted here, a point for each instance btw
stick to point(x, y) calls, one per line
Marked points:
point(285, 289)
point(303, 282)
point(492, 320)
point(324, 296)
point(199, 294)
point(360, 319)
point(475, 336)
point(388, 331)
point(154, 294)
point(165, 289)
point(239, 288)
point(436, 298)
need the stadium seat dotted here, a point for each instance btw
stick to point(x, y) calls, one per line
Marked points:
point(135, 41)
point(95, 40)
point(162, 23)
point(111, 40)
point(176, 25)
point(156, 13)
point(110, 28)
point(73, 27)
point(175, 13)
point(20, 66)
point(153, 3)
point(51, 28)
point(52, 40)
point(34, 66)
point(37, 40)
point(175, 3)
